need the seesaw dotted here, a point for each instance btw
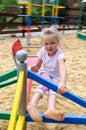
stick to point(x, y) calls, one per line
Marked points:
point(23, 117)
point(17, 120)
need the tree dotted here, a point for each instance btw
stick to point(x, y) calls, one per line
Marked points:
point(0, 1)
point(10, 2)
point(62, 3)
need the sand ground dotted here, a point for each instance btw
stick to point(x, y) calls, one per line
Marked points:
point(75, 55)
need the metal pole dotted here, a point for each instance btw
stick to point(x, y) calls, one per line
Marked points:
point(22, 66)
point(23, 19)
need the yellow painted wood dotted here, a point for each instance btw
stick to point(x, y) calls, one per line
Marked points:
point(43, 9)
point(48, 4)
point(22, 3)
point(58, 6)
point(29, 9)
point(16, 102)
point(56, 9)
point(56, 13)
point(36, 5)
point(52, 11)
point(20, 123)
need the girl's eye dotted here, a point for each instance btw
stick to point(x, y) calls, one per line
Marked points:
point(52, 43)
point(45, 43)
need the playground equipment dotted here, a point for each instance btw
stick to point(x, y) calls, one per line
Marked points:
point(5, 79)
point(17, 120)
point(41, 7)
point(44, 4)
point(80, 34)
point(30, 60)
point(10, 77)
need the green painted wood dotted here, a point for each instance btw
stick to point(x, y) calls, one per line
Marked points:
point(80, 16)
point(4, 116)
point(4, 84)
point(8, 75)
point(81, 36)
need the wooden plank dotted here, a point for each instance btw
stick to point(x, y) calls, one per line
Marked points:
point(10, 24)
point(4, 84)
point(69, 119)
point(54, 87)
point(4, 116)
point(8, 75)
point(6, 14)
point(20, 123)
point(16, 102)
point(16, 31)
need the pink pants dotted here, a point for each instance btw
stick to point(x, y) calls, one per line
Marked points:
point(42, 89)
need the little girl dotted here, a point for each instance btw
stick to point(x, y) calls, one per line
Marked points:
point(51, 66)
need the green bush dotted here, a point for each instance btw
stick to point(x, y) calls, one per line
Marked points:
point(2, 9)
point(62, 12)
point(10, 2)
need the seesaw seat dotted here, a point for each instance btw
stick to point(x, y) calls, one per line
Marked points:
point(30, 61)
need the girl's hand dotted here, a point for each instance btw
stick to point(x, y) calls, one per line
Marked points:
point(62, 89)
point(29, 68)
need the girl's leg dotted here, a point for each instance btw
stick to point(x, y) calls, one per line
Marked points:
point(32, 108)
point(51, 112)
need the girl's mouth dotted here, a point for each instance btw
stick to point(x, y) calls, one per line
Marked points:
point(50, 49)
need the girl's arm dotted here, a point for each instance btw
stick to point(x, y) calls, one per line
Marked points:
point(37, 65)
point(62, 84)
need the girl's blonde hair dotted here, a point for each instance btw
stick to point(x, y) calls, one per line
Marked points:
point(51, 31)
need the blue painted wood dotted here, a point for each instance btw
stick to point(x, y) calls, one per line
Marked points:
point(54, 87)
point(28, 21)
point(43, 18)
point(39, 16)
point(69, 119)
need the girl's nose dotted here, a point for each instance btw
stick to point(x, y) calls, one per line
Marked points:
point(49, 46)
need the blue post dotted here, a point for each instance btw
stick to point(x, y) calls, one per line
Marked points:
point(43, 21)
point(28, 21)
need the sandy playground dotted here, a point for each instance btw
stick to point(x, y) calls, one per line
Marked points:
point(75, 55)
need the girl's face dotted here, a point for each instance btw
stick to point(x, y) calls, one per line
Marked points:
point(50, 44)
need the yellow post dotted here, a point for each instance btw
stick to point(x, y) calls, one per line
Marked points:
point(28, 9)
point(20, 123)
point(43, 10)
point(56, 9)
point(16, 102)
point(52, 11)
point(57, 12)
